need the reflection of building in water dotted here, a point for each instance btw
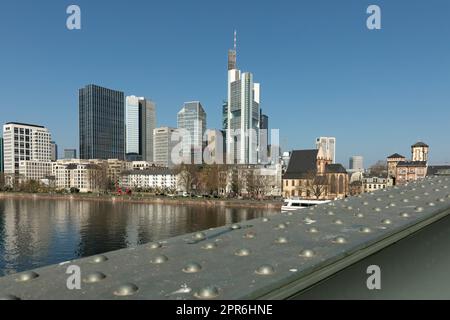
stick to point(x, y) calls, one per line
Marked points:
point(35, 233)
point(25, 233)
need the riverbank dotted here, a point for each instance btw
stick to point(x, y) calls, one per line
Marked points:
point(228, 203)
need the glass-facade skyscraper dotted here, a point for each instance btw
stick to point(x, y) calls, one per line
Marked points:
point(192, 119)
point(140, 123)
point(102, 123)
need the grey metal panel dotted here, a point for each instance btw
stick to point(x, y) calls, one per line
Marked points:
point(283, 255)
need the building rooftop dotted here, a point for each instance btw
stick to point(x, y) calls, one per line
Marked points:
point(301, 163)
point(150, 171)
point(25, 124)
point(420, 144)
point(335, 168)
point(412, 164)
point(395, 156)
point(436, 170)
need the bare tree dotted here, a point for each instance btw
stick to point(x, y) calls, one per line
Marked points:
point(223, 174)
point(188, 176)
point(2, 181)
point(379, 168)
point(314, 185)
point(99, 178)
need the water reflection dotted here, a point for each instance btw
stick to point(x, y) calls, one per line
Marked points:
point(35, 233)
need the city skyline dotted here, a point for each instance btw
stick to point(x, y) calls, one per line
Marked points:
point(365, 75)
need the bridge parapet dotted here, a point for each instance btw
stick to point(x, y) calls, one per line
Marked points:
point(265, 258)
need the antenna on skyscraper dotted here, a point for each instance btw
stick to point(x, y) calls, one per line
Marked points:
point(235, 40)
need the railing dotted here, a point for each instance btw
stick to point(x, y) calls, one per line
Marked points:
point(276, 258)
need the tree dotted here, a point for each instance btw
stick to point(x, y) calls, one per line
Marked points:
point(2, 181)
point(314, 185)
point(223, 174)
point(99, 178)
point(379, 168)
point(187, 176)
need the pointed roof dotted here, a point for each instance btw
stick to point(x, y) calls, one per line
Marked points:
point(301, 163)
point(395, 156)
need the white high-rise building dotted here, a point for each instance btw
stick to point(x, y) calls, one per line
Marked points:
point(328, 145)
point(140, 121)
point(25, 142)
point(163, 146)
point(192, 122)
point(242, 130)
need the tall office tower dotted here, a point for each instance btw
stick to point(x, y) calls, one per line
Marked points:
point(70, 153)
point(192, 122)
point(225, 115)
point(243, 114)
point(102, 123)
point(25, 142)
point(264, 125)
point(328, 145)
point(215, 147)
point(140, 122)
point(2, 168)
point(356, 163)
point(54, 153)
point(163, 146)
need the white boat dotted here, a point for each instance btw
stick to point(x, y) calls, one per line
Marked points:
point(296, 204)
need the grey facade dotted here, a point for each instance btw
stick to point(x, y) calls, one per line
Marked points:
point(102, 123)
point(54, 151)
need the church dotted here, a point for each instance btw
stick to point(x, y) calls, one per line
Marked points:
point(311, 175)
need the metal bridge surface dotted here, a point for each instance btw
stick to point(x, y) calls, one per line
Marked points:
point(276, 258)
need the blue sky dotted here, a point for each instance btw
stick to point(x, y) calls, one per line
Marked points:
point(322, 72)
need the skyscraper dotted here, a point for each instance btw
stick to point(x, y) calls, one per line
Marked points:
point(243, 114)
point(356, 163)
point(54, 151)
point(328, 145)
point(163, 146)
point(192, 121)
point(140, 122)
point(25, 142)
point(102, 123)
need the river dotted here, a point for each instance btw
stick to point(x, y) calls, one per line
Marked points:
point(36, 233)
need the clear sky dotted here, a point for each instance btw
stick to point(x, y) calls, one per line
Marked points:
point(322, 72)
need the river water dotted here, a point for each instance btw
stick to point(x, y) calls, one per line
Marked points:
point(36, 233)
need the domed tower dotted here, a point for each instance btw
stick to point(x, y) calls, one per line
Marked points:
point(420, 152)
